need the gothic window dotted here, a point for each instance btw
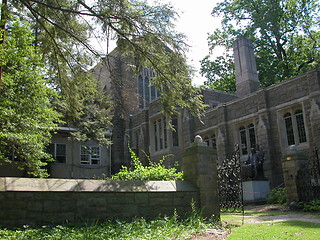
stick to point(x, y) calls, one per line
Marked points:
point(175, 134)
point(146, 92)
point(252, 135)
point(295, 128)
point(289, 128)
point(300, 126)
point(247, 138)
point(140, 91)
point(163, 137)
point(243, 140)
point(160, 134)
point(210, 140)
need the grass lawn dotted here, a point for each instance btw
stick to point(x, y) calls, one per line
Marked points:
point(279, 230)
point(275, 230)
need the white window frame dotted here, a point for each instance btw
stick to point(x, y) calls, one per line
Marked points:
point(283, 127)
point(245, 147)
point(91, 158)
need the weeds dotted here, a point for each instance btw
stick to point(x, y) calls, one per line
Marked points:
point(156, 171)
point(139, 228)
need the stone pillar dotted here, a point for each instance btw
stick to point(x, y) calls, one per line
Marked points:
point(247, 80)
point(291, 163)
point(199, 164)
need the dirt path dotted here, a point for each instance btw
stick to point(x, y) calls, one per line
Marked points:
point(289, 216)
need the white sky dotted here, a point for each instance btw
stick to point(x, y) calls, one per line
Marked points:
point(196, 22)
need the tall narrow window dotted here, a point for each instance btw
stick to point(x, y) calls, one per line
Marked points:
point(165, 133)
point(300, 126)
point(289, 128)
point(153, 92)
point(155, 135)
point(214, 141)
point(175, 134)
point(243, 140)
point(140, 91)
point(252, 135)
point(146, 90)
point(160, 134)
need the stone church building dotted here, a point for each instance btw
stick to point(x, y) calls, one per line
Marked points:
point(274, 118)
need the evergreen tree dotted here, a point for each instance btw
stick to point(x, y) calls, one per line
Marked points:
point(27, 117)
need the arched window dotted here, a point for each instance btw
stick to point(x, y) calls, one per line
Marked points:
point(247, 138)
point(243, 140)
point(289, 128)
point(295, 128)
point(252, 135)
point(300, 126)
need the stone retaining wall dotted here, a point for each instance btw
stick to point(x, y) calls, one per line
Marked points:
point(54, 201)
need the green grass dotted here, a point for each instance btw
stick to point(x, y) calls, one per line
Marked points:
point(276, 230)
point(280, 230)
point(162, 228)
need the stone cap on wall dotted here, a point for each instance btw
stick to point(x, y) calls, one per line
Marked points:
point(89, 185)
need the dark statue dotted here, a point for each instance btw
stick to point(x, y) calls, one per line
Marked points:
point(252, 169)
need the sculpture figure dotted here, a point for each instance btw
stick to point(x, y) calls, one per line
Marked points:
point(253, 167)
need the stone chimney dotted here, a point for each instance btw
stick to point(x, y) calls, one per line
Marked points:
point(247, 80)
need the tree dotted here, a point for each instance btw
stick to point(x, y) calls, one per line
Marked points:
point(144, 33)
point(27, 117)
point(285, 34)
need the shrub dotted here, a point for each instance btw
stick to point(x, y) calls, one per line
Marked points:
point(156, 171)
point(277, 196)
point(313, 206)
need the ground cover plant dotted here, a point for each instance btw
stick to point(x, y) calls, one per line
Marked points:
point(139, 228)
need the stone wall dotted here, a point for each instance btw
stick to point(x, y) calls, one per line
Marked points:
point(53, 201)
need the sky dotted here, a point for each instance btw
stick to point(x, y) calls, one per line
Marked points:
point(196, 22)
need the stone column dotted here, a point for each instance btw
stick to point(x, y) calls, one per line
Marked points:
point(199, 164)
point(291, 163)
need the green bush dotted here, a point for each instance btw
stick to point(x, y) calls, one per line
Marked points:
point(277, 196)
point(156, 171)
point(313, 206)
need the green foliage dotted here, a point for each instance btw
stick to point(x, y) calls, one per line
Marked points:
point(277, 196)
point(139, 228)
point(27, 117)
point(313, 206)
point(144, 33)
point(285, 34)
point(156, 171)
